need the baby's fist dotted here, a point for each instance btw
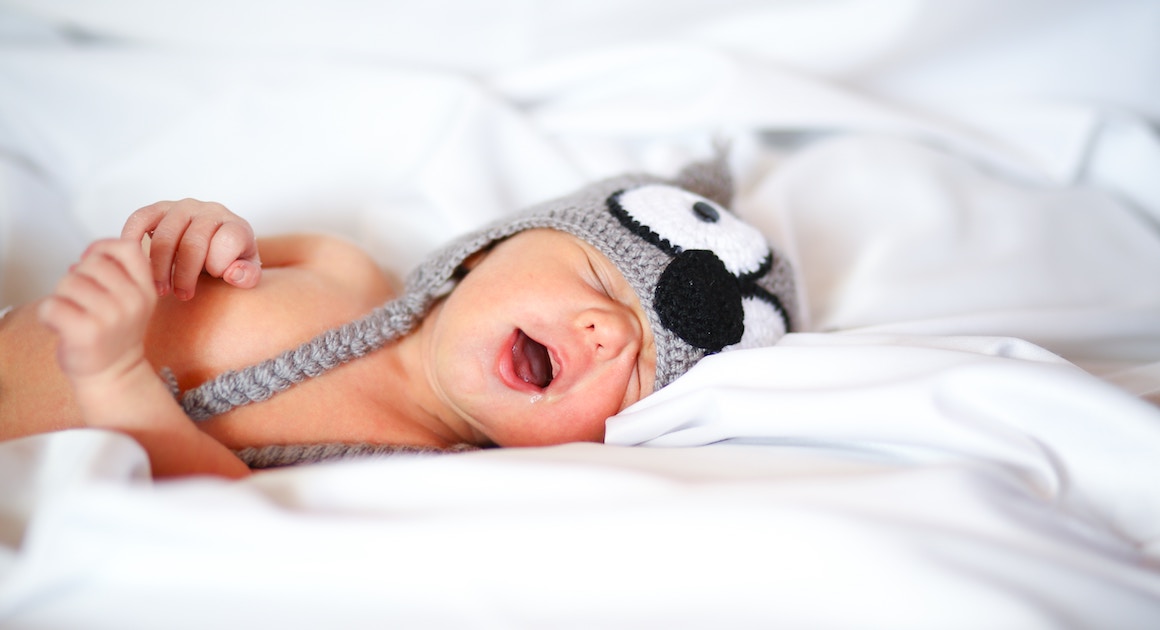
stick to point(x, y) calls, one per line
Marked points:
point(101, 309)
point(191, 236)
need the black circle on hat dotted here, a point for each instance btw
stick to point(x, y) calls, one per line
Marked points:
point(700, 301)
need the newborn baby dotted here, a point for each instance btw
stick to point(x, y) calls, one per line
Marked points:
point(531, 331)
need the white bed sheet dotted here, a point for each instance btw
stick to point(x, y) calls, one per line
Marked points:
point(965, 433)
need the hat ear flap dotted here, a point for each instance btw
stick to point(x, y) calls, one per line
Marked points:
point(711, 178)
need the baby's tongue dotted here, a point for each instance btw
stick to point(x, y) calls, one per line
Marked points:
point(531, 361)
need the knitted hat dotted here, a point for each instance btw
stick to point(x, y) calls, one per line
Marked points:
point(708, 281)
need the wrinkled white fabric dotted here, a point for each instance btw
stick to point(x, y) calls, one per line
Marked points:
point(995, 402)
point(962, 434)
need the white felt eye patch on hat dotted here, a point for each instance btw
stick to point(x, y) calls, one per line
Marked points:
point(676, 220)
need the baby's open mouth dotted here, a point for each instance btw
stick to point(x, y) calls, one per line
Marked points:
point(531, 361)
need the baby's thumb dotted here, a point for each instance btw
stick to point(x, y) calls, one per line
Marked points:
point(243, 274)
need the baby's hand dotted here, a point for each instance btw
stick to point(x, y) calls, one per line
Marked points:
point(190, 236)
point(100, 310)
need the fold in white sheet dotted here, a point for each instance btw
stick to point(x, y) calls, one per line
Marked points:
point(998, 403)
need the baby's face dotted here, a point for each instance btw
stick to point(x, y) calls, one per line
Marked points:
point(540, 343)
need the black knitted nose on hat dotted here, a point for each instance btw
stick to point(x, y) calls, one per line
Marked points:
point(708, 281)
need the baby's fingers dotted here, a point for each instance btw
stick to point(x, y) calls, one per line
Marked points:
point(76, 304)
point(190, 258)
point(191, 236)
point(144, 221)
point(168, 236)
point(101, 307)
point(76, 329)
point(233, 255)
point(110, 271)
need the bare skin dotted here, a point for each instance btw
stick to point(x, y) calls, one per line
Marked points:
point(201, 303)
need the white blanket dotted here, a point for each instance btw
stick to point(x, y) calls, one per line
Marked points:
point(964, 432)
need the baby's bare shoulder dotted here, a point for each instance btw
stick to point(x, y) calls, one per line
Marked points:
point(334, 258)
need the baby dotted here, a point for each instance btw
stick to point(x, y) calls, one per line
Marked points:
point(531, 331)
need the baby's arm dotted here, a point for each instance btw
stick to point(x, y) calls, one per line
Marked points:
point(100, 311)
point(191, 236)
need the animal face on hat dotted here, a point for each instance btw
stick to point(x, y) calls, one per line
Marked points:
point(709, 290)
point(708, 281)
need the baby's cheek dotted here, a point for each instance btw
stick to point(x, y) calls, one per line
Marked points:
point(546, 426)
point(588, 421)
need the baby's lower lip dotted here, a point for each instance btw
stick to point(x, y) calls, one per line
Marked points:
point(508, 370)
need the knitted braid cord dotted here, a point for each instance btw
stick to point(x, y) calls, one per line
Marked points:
point(317, 356)
point(293, 454)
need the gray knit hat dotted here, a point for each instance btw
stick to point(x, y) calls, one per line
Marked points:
point(708, 281)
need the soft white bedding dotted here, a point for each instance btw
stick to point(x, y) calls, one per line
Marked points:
point(964, 434)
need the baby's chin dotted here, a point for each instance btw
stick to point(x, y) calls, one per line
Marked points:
point(551, 438)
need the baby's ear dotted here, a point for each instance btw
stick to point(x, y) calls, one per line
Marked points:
point(711, 178)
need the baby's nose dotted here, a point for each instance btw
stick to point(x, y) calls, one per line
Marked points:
point(608, 332)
